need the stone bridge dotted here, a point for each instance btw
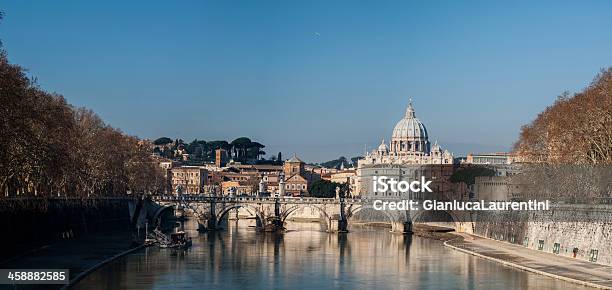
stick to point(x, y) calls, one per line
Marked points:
point(271, 213)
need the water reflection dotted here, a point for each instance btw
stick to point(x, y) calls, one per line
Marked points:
point(306, 258)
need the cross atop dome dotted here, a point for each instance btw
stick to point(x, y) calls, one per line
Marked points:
point(410, 110)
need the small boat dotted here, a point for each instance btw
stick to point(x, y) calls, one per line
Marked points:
point(150, 242)
point(271, 228)
point(273, 225)
point(150, 239)
point(178, 240)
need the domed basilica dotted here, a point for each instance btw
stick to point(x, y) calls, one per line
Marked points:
point(409, 145)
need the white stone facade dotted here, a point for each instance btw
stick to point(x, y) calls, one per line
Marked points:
point(403, 158)
point(409, 145)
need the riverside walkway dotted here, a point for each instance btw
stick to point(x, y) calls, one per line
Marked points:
point(560, 267)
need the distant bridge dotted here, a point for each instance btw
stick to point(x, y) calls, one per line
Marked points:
point(272, 212)
point(269, 212)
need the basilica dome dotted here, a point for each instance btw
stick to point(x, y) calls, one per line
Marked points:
point(409, 127)
point(409, 145)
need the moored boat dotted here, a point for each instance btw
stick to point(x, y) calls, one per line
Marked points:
point(175, 240)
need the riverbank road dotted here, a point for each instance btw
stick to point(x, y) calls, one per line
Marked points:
point(78, 255)
point(561, 267)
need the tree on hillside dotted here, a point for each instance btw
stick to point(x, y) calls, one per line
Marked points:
point(468, 174)
point(218, 144)
point(244, 149)
point(254, 150)
point(337, 163)
point(162, 141)
point(197, 148)
point(50, 148)
point(568, 147)
point(239, 147)
point(574, 130)
point(323, 188)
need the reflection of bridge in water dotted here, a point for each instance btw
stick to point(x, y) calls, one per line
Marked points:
point(271, 213)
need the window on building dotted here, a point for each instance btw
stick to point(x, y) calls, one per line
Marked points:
point(540, 245)
point(526, 242)
point(593, 255)
point(556, 248)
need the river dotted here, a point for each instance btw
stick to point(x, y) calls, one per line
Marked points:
point(306, 258)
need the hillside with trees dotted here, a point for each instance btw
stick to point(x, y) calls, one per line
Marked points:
point(327, 189)
point(337, 163)
point(200, 151)
point(574, 130)
point(567, 149)
point(468, 175)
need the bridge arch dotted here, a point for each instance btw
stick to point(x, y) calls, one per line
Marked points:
point(394, 219)
point(197, 210)
point(294, 208)
point(325, 215)
point(258, 215)
point(162, 209)
point(437, 216)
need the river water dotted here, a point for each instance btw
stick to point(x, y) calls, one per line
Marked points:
point(306, 258)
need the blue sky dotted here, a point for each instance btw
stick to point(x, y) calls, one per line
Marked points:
point(318, 78)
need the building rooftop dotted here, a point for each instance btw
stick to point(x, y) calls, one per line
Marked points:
point(295, 159)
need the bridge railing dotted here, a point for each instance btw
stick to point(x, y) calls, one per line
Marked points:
point(71, 198)
point(208, 198)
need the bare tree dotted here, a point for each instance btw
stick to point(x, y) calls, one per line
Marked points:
point(574, 130)
point(48, 147)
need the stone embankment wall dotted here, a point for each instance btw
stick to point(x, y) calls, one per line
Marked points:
point(29, 224)
point(578, 231)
